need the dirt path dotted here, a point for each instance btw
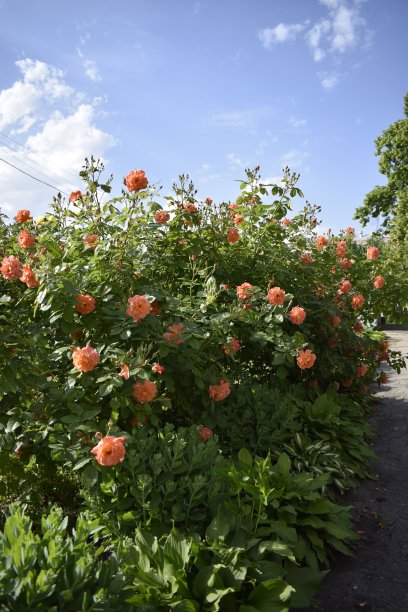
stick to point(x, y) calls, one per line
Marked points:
point(376, 578)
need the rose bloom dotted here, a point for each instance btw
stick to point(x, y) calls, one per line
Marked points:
point(159, 369)
point(205, 433)
point(358, 327)
point(321, 241)
point(208, 201)
point(191, 208)
point(238, 219)
point(336, 321)
point(345, 287)
point(286, 222)
point(305, 359)
point(379, 282)
point(346, 263)
point(349, 231)
point(136, 180)
point(246, 307)
point(85, 303)
point(220, 391)
point(244, 291)
point(341, 248)
point(75, 195)
point(306, 258)
point(383, 345)
point(144, 391)
point(139, 307)
point(362, 370)
point(373, 252)
point(22, 215)
point(297, 315)
point(124, 371)
point(11, 268)
point(383, 356)
point(234, 206)
point(232, 235)
point(25, 239)
point(173, 334)
point(161, 216)
point(347, 383)
point(276, 296)
point(89, 241)
point(383, 377)
point(357, 301)
point(28, 277)
point(156, 308)
point(109, 450)
point(85, 359)
point(232, 347)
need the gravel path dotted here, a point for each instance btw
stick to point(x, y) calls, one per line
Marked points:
point(376, 578)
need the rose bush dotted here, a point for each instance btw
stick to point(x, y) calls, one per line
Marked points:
point(138, 314)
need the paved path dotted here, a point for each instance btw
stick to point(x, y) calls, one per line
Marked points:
point(376, 578)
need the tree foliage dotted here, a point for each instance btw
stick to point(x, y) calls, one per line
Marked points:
point(390, 201)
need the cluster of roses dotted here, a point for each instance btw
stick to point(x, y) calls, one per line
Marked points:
point(11, 267)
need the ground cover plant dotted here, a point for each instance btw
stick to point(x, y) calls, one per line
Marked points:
point(187, 383)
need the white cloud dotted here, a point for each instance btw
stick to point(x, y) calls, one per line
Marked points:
point(91, 70)
point(296, 122)
point(205, 167)
point(314, 37)
point(248, 118)
point(328, 81)
point(294, 158)
point(280, 33)
point(341, 30)
point(345, 25)
point(59, 130)
point(41, 84)
point(235, 161)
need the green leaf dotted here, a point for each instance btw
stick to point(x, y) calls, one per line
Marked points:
point(245, 457)
point(269, 595)
point(82, 462)
point(283, 464)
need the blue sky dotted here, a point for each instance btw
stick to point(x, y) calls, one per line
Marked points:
point(205, 87)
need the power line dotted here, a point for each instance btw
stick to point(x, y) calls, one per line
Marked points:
point(23, 146)
point(47, 176)
point(33, 177)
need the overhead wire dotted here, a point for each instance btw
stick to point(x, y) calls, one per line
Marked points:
point(21, 153)
point(34, 177)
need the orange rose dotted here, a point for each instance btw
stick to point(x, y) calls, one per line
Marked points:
point(373, 252)
point(85, 359)
point(22, 215)
point(85, 303)
point(219, 392)
point(297, 315)
point(321, 242)
point(28, 277)
point(306, 258)
point(357, 301)
point(305, 359)
point(75, 195)
point(173, 334)
point(244, 291)
point(144, 391)
point(110, 450)
point(136, 180)
point(11, 268)
point(232, 235)
point(139, 307)
point(341, 248)
point(379, 282)
point(161, 216)
point(25, 239)
point(276, 296)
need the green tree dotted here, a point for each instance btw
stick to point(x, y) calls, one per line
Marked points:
point(390, 201)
